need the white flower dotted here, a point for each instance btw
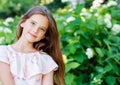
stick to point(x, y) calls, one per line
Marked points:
point(111, 3)
point(89, 53)
point(107, 21)
point(86, 14)
point(70, 19)
point(98, 81)
point(1, 29)
point(7, 30)
point(9, 19)
point(70, 9)
point(116, 28)
point(109, 24)
point(104, 6)
point(84, 10)
point(96, 14)
point(98, 1)
point(108, 16)
point(1, 39)
point(83, 19)
point(64, 0)
point(96, 4)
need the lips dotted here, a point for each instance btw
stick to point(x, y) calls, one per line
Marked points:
point(33, 35)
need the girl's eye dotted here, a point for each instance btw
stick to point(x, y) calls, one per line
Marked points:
point(42, 29)
point(32, 23)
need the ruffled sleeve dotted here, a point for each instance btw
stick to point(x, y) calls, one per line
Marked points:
point(33, 65)
point(3, 55)
point(48, 64)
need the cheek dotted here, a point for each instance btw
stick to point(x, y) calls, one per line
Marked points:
point(27, 28)
point(41, 35)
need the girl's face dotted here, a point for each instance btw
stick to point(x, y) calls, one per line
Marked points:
point(34, 28)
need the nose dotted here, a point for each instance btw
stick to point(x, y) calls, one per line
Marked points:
point(35, 29)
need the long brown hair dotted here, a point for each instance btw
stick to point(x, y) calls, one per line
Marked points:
point(50, 44)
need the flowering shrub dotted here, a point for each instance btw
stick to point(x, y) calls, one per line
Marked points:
point(8, 30)
point(91, 43)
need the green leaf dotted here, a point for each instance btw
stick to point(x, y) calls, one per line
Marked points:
point(99, 51)
point(71, 65)
point(97, 80)
point(98, 41)
point(115, 68)
point(71, 48)
point(107, 42)
point(110, 80)
point(99, 69)
point(107, 68)
point(77, 22)
point(80, 57)
point(2, 34)
point(69, 79)
point(78, 9)
point(91, 25)
point(115, 13)
point(99, 76)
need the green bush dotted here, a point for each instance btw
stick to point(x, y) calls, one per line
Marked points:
point(91, 44)
point(14, 7)
point(8, 30)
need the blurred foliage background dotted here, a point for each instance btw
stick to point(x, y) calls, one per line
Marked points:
point(89, 33)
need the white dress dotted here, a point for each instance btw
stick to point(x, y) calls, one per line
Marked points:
point(27, 68)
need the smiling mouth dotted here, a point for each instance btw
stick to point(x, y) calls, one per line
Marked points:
point(33, 35)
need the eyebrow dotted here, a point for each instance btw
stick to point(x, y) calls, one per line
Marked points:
point(33, 20)
point(39, 26)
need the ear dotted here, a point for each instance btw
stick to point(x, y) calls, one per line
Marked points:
point(22, 24)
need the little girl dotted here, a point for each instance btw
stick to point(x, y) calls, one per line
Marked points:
point(35, 58)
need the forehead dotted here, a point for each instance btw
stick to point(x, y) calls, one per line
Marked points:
point(39, 19)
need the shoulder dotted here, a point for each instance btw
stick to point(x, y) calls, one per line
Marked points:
point(3, 48)
point(48, 62)
point(45, 56)
point(3, 54)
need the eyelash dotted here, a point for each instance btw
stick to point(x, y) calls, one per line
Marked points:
point(42, 29)
point(32, 23)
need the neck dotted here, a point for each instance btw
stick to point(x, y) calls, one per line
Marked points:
point(23, 46)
